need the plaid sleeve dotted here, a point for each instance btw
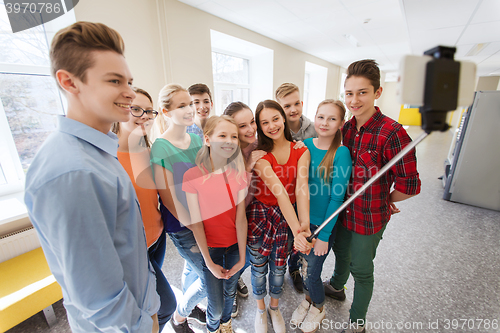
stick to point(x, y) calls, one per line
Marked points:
point(406, 178)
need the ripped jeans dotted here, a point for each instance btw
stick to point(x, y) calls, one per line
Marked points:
point(194, 293)
point(261, 265)
point(312, 266)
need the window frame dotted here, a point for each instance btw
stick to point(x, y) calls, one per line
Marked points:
point(220, 85)
point(10, 161)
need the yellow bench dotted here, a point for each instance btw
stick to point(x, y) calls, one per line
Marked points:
point(26, 287)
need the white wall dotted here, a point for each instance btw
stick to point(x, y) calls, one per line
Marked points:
point(485, 83)
point(388, 101)
point(168, 41)
point(138, 25)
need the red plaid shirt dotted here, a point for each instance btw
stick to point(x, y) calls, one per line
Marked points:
point(375, 144)
point(267, 226)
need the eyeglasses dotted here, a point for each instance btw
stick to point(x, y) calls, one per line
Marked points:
point(137, 111)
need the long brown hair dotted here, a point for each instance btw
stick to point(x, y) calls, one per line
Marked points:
point(326, 165)
point(235, 107)
point(267, 144)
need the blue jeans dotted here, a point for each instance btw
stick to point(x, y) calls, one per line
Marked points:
point(260, 267)
point(221, 292)
point(294, 262)
point(186, 245)
point(167, 297)
point(312, 266)
point(247, 262)
point(189, 276)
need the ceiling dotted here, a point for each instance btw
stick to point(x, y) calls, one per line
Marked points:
point(343, 31)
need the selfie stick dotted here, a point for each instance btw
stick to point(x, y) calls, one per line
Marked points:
point(440, 96)
point(379, 174)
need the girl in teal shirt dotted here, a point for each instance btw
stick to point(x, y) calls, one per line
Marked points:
point(329, 175)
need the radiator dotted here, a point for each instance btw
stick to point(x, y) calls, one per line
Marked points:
point(17, 243)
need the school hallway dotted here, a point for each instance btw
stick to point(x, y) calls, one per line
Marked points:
point(437, 268)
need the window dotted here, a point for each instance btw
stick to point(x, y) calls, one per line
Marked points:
point(314, 88)
point(231, 80)
point(29, 98)
point(242, 71)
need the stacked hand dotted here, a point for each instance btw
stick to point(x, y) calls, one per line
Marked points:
point(300, 243)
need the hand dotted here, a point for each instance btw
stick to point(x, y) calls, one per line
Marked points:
point(156, 326)
point(218, 271)
point(236, 268)
point(300, 242)
point(298, 144)
point(254, 157)
point(394, 209)
point(320, 248)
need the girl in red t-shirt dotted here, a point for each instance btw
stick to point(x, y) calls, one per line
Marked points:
point(279, 211)
point(215, 192)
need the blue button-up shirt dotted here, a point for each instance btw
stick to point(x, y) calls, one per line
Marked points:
point(85, 210)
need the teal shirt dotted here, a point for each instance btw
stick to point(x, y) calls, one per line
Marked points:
point(177, 161)
point(325, 199)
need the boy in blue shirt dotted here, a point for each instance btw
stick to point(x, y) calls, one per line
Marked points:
point(80, 199)
point(202, 100)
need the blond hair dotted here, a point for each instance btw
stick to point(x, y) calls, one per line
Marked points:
point(164, 102)
point(72, 46)
point(284, 90)
point(203, 159)
point(326, 165)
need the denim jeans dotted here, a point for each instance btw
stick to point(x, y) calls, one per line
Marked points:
point(189, 276)
point(247, 262)
point(260, 267)
point(221, 292)
point(186, 245)
point(312, 266)
point(167, 297)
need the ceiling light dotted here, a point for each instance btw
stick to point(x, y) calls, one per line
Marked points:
point(352, 40)
point(476, 49)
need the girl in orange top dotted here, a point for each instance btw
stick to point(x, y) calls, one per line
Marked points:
point(133, 154)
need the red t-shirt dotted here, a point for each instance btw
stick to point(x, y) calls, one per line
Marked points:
point(217, 208)
point(287, 174)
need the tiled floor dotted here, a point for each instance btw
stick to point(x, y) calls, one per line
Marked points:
point(437, 268)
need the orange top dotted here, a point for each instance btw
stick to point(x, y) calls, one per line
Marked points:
point(139, 170)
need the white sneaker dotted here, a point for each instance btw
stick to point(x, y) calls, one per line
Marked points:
point(313, 320)
point(277, 320)
point(261, 322)
point(226, 327)
point(300, 313)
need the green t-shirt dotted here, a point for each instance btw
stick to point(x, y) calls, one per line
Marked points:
point(177, 161)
